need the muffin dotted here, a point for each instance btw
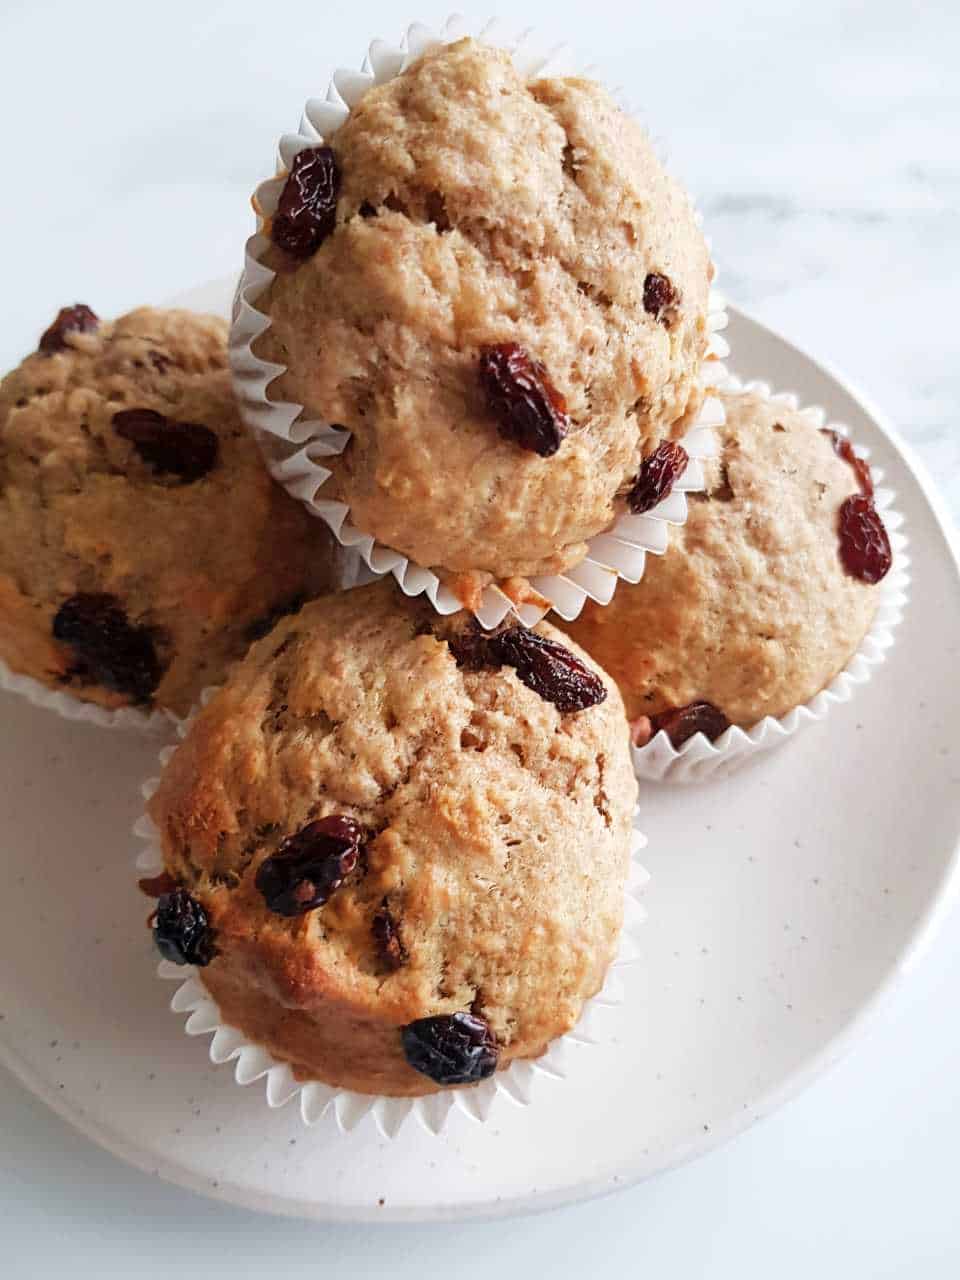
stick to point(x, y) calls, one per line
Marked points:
point(396, 846)
point(762, 596)
point(494, 286)
point(142, 543)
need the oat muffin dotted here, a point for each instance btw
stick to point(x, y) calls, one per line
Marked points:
point(399, 844)
point(763, 595)
point(494, 285)
point(142, 544)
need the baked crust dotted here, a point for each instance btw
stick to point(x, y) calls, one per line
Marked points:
point(497, 838)
point(750, 608)
point(477, 208)
point(81, 511)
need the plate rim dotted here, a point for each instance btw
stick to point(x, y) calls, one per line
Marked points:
point(921, 938)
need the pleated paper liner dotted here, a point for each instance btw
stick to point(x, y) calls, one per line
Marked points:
point(71, 708)
point(698, 758)
point(517, 1083)
point(296, 450)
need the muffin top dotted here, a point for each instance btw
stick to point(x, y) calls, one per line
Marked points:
point(507, 310)
point(492, 824)
point(751, 609)
point(141, 538)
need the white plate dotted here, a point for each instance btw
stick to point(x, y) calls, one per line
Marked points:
point(784, 901)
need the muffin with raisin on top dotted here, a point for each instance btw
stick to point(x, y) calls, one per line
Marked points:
point(142, 543)
point(399, 844)
point(494, 286)
point(765, 593)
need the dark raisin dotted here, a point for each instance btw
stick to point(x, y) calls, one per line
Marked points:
point(529, 409)
point(861, 468)
point(307, 210)
point(659, 297)
point(76, 319)
point(681, 723)
point(110, 650)
point(472, 648)
point(549, 669)
point(543, 665)
point(451, 1048)
point(183, 449)
point(386, 936)
point(864, 545)
point(310, 865)
point(160, 361)
point(261, 627)
point(658, 473)
point(156, 886)
point(181, 929)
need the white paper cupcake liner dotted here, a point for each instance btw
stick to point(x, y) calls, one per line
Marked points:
point(64, 704)
point(316, 1100)
point(295, 449)
point(698, 758)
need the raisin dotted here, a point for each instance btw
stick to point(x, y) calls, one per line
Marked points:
point(157, 886)
point(659, 297)
point(183, 449)
point(864, 545)
point(471, 647)
point(681, 723)
point(310, 865)
point(543, 665)
point(160, 361)
point(76, 319)
point(861, 468)
point(549, 669)
point(307, 210)
point(529, 409)
point(386, 936)
point(181, 929)
point(658, 473)
point(262, 626)
point(110, 650)
point(451, 1048)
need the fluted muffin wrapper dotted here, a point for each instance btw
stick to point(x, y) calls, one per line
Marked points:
point(516, 1083)
point(698, 758)
point(72, 708)
point(295, 449)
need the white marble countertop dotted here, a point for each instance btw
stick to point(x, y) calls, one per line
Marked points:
point(821, 143)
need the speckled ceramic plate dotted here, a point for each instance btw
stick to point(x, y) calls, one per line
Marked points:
point(784, 902)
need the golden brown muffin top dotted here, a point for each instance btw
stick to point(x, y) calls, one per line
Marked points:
point(750, 609)
point(127, 480)
point(476, 208)
point(495, 826)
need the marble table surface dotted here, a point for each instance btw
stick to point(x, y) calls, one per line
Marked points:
point(820, 141)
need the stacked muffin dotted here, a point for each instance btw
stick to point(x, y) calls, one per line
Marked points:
point(395, 843)
point(493, 286)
